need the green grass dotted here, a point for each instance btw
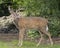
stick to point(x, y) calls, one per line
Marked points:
point(8, 44)
point(26, 44)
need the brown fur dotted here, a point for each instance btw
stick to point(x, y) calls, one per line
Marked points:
point(39, 23)
point(32, 22)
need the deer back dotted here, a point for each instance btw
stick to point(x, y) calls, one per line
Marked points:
point(32, 22)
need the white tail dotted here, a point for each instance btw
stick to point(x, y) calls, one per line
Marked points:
point(25, 23)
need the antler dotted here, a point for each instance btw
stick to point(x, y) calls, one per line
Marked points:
point(11, 10)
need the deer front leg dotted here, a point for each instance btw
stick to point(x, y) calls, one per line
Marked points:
point(21, 36)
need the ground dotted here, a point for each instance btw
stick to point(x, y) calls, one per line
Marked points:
point(11, 41)
point(26, 44)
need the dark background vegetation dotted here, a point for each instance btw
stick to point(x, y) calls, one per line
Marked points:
point(49, 9)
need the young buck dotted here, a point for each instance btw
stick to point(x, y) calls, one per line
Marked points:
point(25, 23)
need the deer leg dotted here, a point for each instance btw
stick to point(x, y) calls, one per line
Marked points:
point(40, 40)
point(21, 36)
point(49, 35)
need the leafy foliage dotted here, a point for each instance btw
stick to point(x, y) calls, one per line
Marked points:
point(45, 8)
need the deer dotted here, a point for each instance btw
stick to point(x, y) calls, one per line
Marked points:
point(25, 23)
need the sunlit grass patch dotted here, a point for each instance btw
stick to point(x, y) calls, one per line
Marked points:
point(11, 44)
point(26, 44)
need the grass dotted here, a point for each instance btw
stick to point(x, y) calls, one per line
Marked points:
point(26, 44)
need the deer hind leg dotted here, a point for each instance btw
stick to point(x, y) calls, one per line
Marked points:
point(40, 40)
point(48, 34)
point(21, 36)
